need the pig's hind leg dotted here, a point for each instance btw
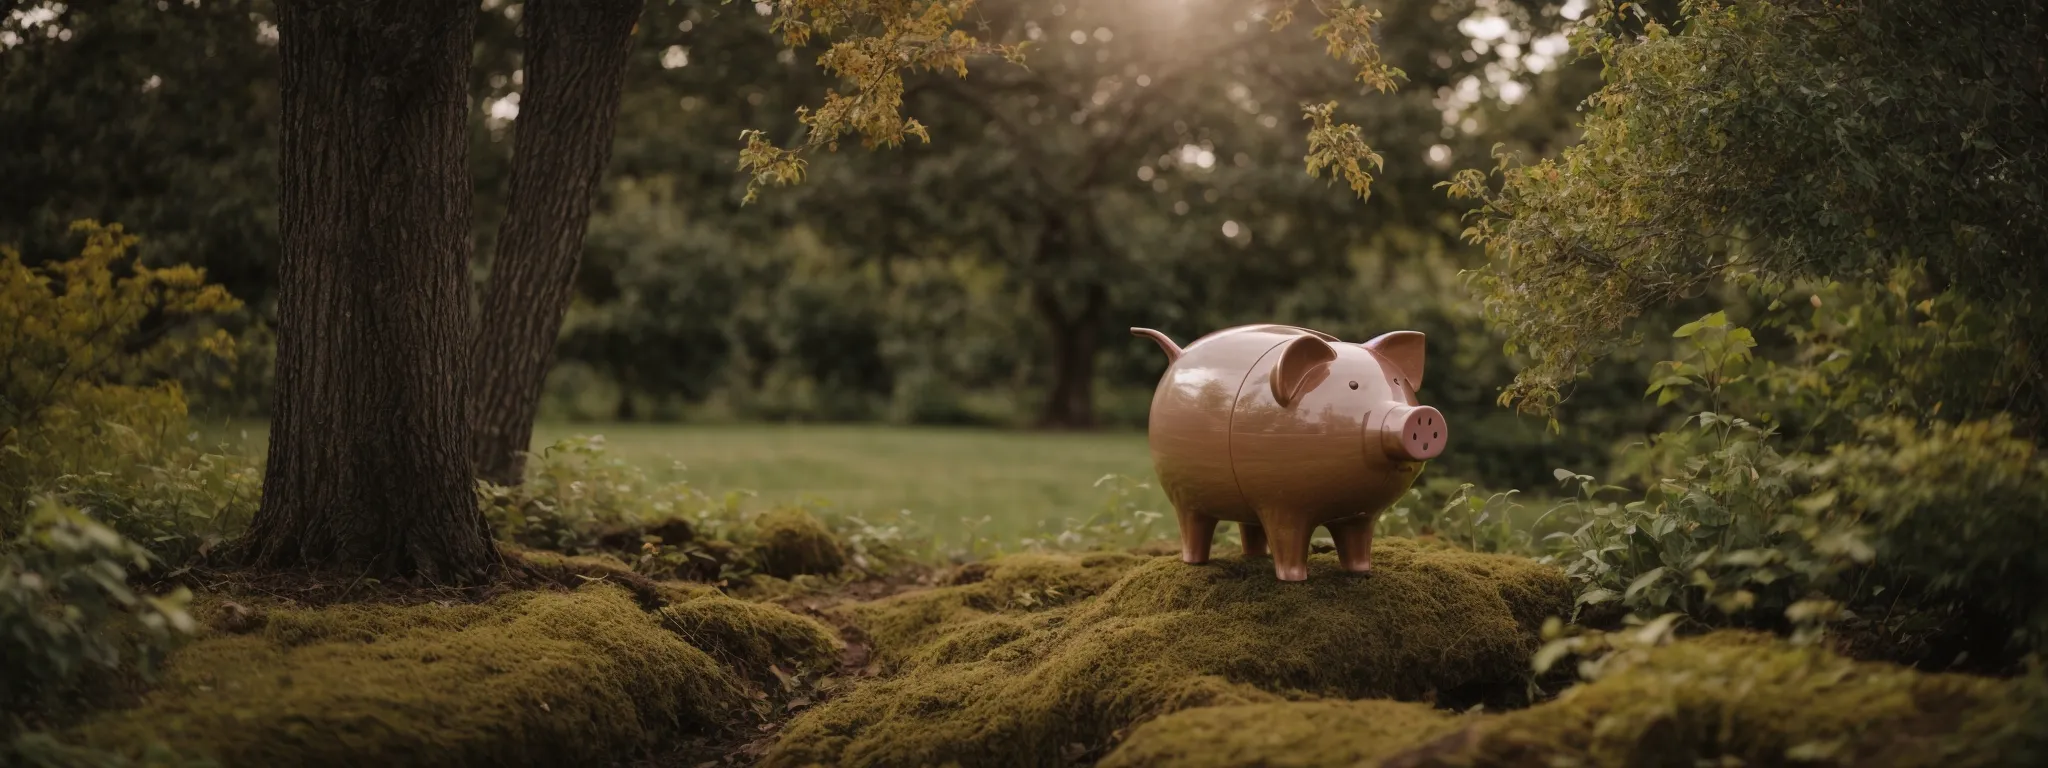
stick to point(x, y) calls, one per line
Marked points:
point(1254, 536)
point(1197, 531)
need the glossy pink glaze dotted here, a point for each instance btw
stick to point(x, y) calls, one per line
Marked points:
point(1283, 429)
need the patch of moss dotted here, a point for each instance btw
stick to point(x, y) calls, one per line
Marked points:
point(572, 571)
point(1303, 734)
point(754, 637)
point(1033, 689)
point(1745, 699)
point(529, 678)
point(794, 542)
point(1027, 583)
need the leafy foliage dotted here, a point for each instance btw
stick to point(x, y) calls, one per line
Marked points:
point(920, 35)
point(914, 35)
point(99, 482)
point(1896, 530)
point(1775, 141)
point(577, 499)
point(68, 615)
point(82, 391)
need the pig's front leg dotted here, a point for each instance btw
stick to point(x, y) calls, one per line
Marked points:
point(1196, 532)
point(1354, 542)
point(1288, 537)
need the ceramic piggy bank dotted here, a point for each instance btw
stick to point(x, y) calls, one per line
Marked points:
point(1282, 429)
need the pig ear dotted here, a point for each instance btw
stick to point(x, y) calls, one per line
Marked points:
point(1299, 359)
point(1403, 349)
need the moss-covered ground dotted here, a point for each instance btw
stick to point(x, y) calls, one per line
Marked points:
point(1114, 659)
point(528, 678)
point(1291, 734)
point(1745, 699)
point(983, 679)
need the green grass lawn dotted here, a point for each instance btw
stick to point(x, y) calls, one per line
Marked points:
point(1025, 483)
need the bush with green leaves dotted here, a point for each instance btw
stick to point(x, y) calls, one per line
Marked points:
point(578, 499)
point(93, 351)
point(1957, 514)
point(1461, 513)
point(1779, 140)
point(91, 409)
point(68, 614)
point(1899, 526)
point(100, 481)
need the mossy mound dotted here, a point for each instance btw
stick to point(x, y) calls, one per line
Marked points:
point(1745, 699)
point(1035, 689)
point(754, 636)
point(1300, 734)
point(901, 625)
point(794, 542)
point(528, 678)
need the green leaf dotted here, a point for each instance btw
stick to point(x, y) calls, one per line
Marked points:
point(1649, 577)
point(1668, 382)
point(1596, 596)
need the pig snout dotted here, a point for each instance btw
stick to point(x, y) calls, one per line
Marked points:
point(1414, 433)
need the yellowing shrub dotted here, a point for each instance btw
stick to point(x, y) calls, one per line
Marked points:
point(87, 385)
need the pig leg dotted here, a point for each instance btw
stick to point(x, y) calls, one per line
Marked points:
point(1254, 536)
point(1290, 548)
point(1196, 532)
point(1354, 542)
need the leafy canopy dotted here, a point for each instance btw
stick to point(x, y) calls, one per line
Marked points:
point(889, 37)
point(1769, 141)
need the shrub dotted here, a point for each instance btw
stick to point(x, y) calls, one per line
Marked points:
point(1780, 139)
point(1957, 514)
point(181, 505)
point(578, 499)
point(93, 349)
point(1897, 526)
point(68, 616)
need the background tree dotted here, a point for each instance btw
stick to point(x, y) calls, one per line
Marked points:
point(1137, 172)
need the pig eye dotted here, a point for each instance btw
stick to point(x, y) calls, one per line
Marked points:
point(1354, 385)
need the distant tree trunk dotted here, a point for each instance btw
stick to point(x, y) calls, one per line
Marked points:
point(1076, 337)
point(575, 67)
point(369, 465)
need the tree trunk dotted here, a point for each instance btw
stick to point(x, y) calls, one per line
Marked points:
point(1076, 337)
point(575, 67)
point(369, 467)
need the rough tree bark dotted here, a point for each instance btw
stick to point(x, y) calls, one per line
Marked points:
point(1076, 338)
point(575, 68)
point(369, 467)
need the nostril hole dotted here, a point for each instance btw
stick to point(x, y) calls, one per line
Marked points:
point(1432, 434)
